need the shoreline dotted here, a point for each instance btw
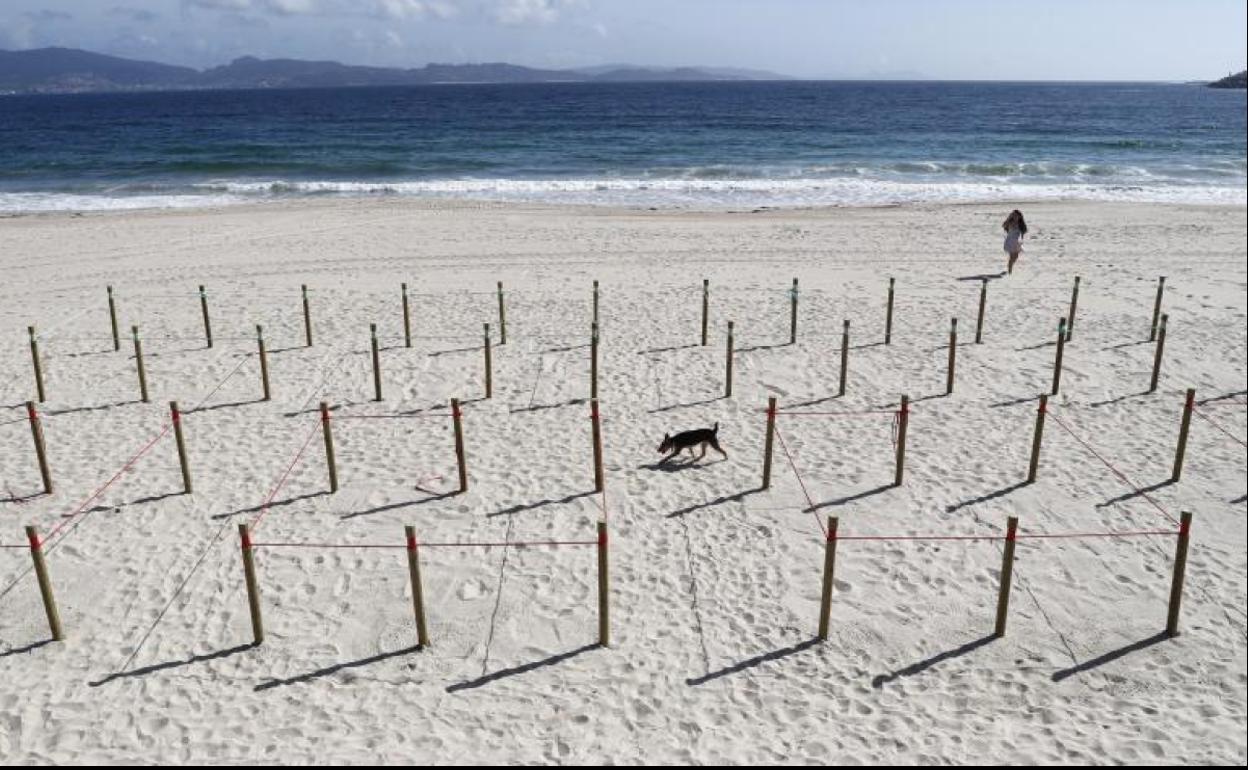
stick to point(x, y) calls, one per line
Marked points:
point(433, 203)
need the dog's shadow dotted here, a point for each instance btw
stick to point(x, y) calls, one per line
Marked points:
point(673, 466)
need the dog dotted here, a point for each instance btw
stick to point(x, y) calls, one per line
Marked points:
point(689, 439)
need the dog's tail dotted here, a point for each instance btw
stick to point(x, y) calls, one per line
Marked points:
point(715, 430)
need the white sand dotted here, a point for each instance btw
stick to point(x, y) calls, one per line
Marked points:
point(715, 588)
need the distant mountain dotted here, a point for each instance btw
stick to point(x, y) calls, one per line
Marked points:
point(69, 69)
point(65, 70)
point(1238, 80)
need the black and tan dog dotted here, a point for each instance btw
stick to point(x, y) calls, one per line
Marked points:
point(689, 440)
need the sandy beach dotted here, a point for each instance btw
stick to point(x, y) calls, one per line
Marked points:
point(715, 584)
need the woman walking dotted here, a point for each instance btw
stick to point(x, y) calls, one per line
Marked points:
point(1015, 228)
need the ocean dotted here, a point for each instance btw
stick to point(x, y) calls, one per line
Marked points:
point(687, 145)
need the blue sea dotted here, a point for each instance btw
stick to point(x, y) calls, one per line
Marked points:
point(698, 145)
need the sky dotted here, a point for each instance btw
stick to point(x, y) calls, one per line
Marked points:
point(938, 39)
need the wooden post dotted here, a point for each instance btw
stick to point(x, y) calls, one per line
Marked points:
point(138, 363)
point(372, 332)
point(1007, 575)
point(1036, 438)
point(706, 307)
point(502, 317)
point(1074, 305)
point(457, 418)
point(888, 313)
point(45, 584)
point(793, 313)
point(829, 569)
point(903, 423)
point(34, 359)
point(418, 593)
point(593, 360)
point(979, 317)
point(1161, 289)
point(596, 423)
point(489, 364)
point(407, 320)
point(768, 441)
point(728, 364)
point(1180, 569)
point(1161, 346)
point(1057, 358)
point(253, 590)
point(595, 320)
point(203, 305)
point(840, 391)
point(1189, 403)
point(953, 355)
point(604, 599)
point(41, 451)
point(264, 362)
point(330, 462)
point(175, 415)
point(112, 317)
point(307, 317)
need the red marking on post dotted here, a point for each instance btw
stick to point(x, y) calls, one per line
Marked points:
point(411, 542)
point(32, 413)
point(602, 538)
point(246, 537)
point(33, 537)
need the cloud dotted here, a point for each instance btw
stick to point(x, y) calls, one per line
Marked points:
point(408, 9)
point(381, 9)
point(48, 16)
point(520, 12)
point(272, 7)
point(140, 15)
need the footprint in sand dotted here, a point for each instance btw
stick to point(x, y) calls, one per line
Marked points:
point(471, 590)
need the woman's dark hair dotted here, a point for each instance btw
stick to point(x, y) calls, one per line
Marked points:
point(1015, 218)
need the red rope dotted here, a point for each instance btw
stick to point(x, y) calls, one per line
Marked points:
point(326, 545)
point(391, 416)
point(510, 544)
point(1122, 476)
point(809, 502)
point(864, 413)
point(264, 509)
point(501, 544)
point(1035, 536)
point(1058, 535)
point(920, 537)
point(129, 463)
point(1220, 429)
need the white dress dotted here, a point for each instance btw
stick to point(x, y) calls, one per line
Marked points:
point(1013, 241)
